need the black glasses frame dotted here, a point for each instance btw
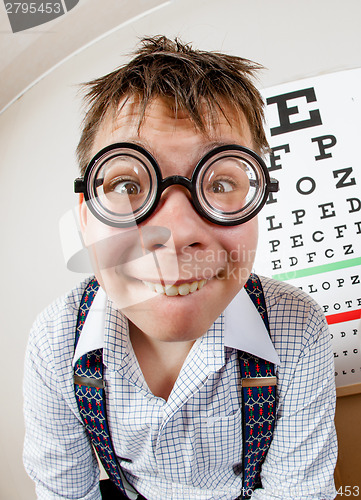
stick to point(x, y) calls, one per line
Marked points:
point(81, 184)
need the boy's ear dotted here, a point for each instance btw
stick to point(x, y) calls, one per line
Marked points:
point(83, 213)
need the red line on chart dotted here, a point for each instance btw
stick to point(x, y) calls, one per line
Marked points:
point(342, 317)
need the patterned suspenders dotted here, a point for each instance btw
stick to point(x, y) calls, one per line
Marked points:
point(90, 394)
point(258, 400)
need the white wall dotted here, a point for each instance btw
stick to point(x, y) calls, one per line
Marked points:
point(39, 132)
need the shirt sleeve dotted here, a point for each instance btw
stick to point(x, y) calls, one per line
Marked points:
point(302, 456)
point(58, 455)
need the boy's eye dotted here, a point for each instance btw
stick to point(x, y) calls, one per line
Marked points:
point(127, 187)
point(222, 186)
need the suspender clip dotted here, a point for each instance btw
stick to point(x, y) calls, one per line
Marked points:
point(259, 381)
point(98, 383)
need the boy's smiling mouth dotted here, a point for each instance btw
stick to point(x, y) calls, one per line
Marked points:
point(173, 290)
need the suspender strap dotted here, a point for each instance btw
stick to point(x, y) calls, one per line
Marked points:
point(258, 401)
point(89, 391)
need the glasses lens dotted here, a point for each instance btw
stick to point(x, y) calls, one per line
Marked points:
point(231, 186)
point(122, 186)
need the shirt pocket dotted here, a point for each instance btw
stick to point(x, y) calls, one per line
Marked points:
point(218, 447)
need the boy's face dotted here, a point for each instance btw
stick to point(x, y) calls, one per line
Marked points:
point(175, 245)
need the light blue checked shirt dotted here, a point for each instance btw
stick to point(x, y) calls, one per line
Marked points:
point(189, 447)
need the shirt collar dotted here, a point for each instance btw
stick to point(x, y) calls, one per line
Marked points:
point(243, 328)
point(92, 335)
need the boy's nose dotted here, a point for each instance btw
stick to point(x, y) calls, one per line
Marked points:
point(175, 212)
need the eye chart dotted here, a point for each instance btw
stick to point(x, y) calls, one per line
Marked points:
point(310, 231)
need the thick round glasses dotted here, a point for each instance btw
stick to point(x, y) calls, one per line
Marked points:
point(122, 185)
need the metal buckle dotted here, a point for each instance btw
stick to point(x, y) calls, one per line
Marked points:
point(259, 381)
point(98, 383)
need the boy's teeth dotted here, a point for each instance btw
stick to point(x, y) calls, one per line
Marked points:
point(173, 290)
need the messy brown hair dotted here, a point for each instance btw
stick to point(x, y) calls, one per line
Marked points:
point(190, 78)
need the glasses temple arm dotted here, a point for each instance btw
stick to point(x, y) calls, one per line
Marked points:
point(273, 186)
point(79, 184)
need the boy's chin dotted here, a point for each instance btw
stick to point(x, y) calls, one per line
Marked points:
point(173, 324)
point(168, 332)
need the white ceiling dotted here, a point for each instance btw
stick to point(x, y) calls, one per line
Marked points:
point(26, 55)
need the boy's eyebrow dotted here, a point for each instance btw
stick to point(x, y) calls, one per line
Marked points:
point(214, 144)
point(200, 151)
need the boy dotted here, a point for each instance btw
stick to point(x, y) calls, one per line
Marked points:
point(171, 182)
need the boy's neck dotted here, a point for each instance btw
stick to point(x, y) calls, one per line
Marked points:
point(159, 361)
